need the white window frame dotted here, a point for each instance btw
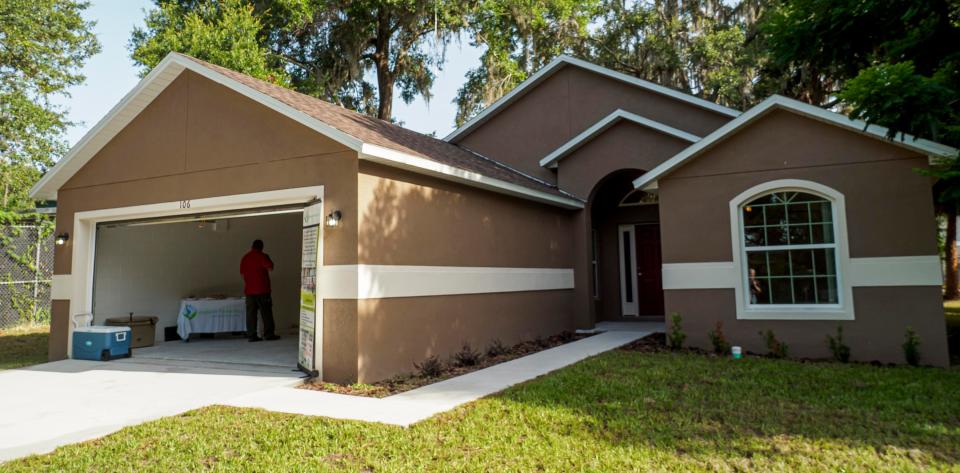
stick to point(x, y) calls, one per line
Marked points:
point(843, 310)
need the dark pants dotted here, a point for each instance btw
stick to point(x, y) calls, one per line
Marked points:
point(263, 303)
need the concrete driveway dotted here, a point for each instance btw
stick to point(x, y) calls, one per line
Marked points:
point(45, 406)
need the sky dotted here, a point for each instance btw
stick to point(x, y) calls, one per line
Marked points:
point(111, 74)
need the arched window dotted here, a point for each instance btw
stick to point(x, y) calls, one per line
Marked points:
point(791, 249)
point(638, 197)
point(790, 252)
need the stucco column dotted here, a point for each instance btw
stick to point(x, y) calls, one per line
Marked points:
point(584, 316)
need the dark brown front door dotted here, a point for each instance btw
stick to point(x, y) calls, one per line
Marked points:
point(649, 276)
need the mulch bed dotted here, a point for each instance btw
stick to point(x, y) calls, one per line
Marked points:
point(451, 368)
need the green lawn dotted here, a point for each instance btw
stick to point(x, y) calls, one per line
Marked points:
point(22, 346)
point(620, 411)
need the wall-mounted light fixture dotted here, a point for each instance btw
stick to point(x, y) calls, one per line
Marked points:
point(333, 220)
point(62, 239)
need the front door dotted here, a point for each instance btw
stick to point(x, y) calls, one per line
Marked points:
point(649, 275)
point(641, 285)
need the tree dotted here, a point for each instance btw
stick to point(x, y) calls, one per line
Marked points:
point(893, 63)
point(698, 46)
point(520, 37)
point(324, 48)
point(399, 41)
point(44, 45)
point(226, 33)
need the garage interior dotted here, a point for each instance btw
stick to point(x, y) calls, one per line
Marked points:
point(149, 267)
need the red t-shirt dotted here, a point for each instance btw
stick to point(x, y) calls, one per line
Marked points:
point(255, 268)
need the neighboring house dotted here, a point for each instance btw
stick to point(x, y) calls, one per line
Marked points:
point(584, 195)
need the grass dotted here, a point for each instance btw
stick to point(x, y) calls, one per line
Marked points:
point(620, 411)
point(23, 345)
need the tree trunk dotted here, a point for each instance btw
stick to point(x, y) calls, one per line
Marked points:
point(952, 291)
point(382, 59)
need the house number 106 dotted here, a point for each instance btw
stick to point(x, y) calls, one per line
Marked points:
point(184, 204)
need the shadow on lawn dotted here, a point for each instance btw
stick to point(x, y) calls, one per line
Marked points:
point(19, 349)
point(708, 406)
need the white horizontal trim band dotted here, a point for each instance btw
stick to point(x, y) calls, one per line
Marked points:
point(61, 286)
point(896, 271)
point(721, 275)
point(864, 272)
point(386, 281)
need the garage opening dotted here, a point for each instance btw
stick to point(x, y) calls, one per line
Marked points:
point(184, 271)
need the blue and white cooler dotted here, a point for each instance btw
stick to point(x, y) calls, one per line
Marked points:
point(99, 342)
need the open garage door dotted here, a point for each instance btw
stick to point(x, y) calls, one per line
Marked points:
point(184, 270)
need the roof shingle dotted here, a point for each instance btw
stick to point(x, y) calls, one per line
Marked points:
point(388, 135)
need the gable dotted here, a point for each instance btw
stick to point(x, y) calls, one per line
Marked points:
point(196, 125)
point(565, 104)
point(625, 145)
point(795, 134)
point(785, 140)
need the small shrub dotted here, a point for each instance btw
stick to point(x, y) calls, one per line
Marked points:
point(430, 368)
point(496, 348)
point(467, 356)
point(676, 337)
point(720, 344)
point(911, 347)
point(777, 348)
point(841, 352)
point(541, 342)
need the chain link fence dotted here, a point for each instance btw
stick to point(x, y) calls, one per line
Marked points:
point(26, 266)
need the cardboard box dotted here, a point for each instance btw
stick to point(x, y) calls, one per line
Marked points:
point(143, 327)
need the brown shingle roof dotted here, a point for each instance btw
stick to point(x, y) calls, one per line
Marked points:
point(382, 133)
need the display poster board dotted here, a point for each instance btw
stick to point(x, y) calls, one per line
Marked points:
point(311, 321)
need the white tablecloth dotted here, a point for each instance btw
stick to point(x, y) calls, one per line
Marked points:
point(211, 316)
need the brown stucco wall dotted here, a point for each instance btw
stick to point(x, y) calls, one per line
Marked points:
point(883, 314)
point(410, 219)
point(625, 145)
point(889, 205)
point(889, 209)
point(340, 343)
point(567, 103)
point(396, 333)
point(198, 139)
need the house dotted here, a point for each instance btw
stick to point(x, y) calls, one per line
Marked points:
point(584, 195)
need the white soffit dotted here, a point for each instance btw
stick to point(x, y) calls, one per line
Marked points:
point(564, 60)
point(174, 64)
point(601, 126)
point(932, 149)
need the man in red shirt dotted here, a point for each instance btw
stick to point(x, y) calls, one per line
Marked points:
point(255, 268)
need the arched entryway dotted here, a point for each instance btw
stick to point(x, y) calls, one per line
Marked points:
point(625, 250)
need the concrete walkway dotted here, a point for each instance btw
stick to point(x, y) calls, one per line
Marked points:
point(45, 406)
point(53, 404)
point(418, 404)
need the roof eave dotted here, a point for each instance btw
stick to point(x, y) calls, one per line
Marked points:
point(393, 158)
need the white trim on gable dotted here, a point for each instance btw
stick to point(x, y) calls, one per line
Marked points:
point(174, 64)
point(648, 181)
point(558, 63)
point(550, 160)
